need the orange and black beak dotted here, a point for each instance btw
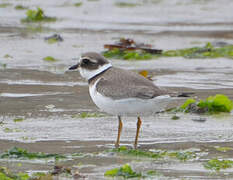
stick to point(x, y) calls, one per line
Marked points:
point(76, 66)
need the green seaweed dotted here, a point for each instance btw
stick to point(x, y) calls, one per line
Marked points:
point(125, 4)
point(7, 56)
point(52, 40)
point(175, 117)
point(217, 165)
point(223, 149)
point(127, 172)
point(37, 16)
point(180, 155)
point(213, 104)
point(139, 153)
point(78, 4)
point(87, 115)
point(20, 7)
point(20, 153)
point(5, 174)
point(124, 171)
point(207, 51)
point(49, 59)
point(18, 119)
point(152, 173)
point(187, 102)
point(127, 55)
point(3, 65)
point(36, 29)
point(217, 103)
point(4, 5)
point(4, 177)
point(8, 130)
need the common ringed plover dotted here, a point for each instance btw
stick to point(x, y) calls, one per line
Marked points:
point(121, 92)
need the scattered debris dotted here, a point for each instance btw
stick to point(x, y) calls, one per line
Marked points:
point(60, 169)
point(128, 49)
point(77, 175)
point(130, 45)
point(54, 38)
point(50, 106)
point(145, 73)
point(6, 174)
point(37, 16)
point(220, 44)
point(199, 119)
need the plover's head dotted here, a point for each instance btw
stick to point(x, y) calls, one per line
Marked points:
point(91, 64)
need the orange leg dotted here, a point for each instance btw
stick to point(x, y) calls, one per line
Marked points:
point(119, 132)
point(137, 132)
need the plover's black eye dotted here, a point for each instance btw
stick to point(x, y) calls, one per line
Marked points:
point(86, 61)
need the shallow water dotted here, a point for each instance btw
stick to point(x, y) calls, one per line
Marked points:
point(46, 95)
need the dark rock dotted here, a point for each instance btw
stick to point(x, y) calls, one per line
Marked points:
point(56, 37)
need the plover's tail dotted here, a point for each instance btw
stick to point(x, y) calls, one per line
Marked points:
point(185, 94)
point(180, 95)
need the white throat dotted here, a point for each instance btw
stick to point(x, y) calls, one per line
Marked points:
point(88, 74)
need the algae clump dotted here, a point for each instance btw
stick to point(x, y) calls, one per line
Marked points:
point(180, 155)
point(20, 153)
point(4, 5)
point(5, 174)
point(125, 171)
point(139, 153)
point(218, 103)
point(212, 104)
point(49, 59)
point(78, 4)
point(217, 165)
point(20, 7)
point(187, 102)
point(37, 16)
point(127, 55)
point(87, 115)
point(207, 51)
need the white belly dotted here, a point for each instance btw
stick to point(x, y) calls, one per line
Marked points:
point(129, 106)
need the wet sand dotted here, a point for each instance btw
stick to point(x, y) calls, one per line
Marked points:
point(47, 96)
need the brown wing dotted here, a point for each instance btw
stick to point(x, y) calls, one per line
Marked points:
point(119, 83)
